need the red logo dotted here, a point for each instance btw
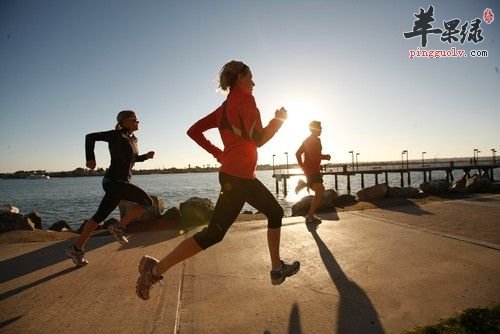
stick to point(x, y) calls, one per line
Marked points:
point(488, 16)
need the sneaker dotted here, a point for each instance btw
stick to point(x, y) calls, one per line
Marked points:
point(286, 270)
point(313, 219)
point(118, 233)
point(77, 256)
point(300, 185)
point(146, 277)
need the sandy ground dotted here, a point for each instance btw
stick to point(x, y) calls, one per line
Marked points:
point(45, 235)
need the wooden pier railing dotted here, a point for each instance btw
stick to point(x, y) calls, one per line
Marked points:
point(483, 167)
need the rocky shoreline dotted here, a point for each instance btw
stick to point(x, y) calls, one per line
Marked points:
point(16, 227)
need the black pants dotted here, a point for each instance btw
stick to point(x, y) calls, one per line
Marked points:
point(116, 190)
point(233, 195)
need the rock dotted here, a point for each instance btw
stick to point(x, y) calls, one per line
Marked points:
point(10, 221)
point(372, 193)
point(196, 209)
point(35, 219)
point(435, 187)
point(152, 213)
point(8, 208)
point(61, 226)
point(405, 192)
point(344, 200)
point(173, 214)
point(301, 208)
point(459, 185)
point(478, 184)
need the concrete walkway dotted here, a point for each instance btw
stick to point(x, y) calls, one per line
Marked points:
point(381, 270)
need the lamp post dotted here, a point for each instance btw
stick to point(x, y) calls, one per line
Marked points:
point(357, 165)
point(475, 162)
point(273, 164)
point(423, 165)
point(493, 151)
point(402, 158)
point(477, 156)
point(286, 153)
point(352, 155)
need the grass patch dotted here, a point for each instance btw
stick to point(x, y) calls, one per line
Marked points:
point(473, 320)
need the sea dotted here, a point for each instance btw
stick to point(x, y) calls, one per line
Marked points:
point(75, 199)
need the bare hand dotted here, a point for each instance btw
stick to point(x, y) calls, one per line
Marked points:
point(281, 114)
point(150, 154)
point(91, 164)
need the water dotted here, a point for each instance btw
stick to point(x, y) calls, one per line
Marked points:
point(74, 199)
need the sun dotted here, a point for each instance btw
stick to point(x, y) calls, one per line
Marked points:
point(300, 113)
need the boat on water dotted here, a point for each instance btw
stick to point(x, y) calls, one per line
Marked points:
point(38, 176)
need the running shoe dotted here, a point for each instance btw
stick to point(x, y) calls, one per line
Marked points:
point(286, 270)
point(146, 277)
point(300, 185)
point(118, 233)
point(313, 219)
point(77, 256)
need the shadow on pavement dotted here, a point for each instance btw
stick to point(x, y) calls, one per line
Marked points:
point(402, 205)
point(9, 321)
point(42, 258)
point(15, 291)
point(144, 239)
point(356, 312)
point(294, 326)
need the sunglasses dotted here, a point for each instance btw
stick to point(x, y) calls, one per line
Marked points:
point(133, 119)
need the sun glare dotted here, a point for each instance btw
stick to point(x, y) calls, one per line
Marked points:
point(300, 113)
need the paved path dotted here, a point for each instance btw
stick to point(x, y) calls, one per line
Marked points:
point(380, 270)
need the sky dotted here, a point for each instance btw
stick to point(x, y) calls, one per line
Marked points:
point(68, 67)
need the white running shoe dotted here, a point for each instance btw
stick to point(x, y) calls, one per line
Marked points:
point(118, 233)
point(77, 256)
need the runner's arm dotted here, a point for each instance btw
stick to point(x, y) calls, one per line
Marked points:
point(196, 131)
point(90, 140)
point(299, 154)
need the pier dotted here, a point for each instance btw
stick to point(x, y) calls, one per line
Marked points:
point(381, 170)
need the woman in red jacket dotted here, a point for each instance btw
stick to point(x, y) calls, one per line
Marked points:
point(239, 124)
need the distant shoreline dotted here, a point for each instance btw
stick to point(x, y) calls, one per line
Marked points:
point(79, 172)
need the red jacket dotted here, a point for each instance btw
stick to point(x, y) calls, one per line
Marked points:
point(240, 127)
point(311, 148)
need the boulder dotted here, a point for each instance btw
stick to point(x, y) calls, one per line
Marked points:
point(10, 221)
point(435, 187)
point(478, 184)
point(151, 213)
point(61, 226)
point(405, 192)
point(173, 214)
point(344, 200)
point(301, 208)
point(35, 219)
point(196, 209)
point(327, 199)
point(8, 208)
point(459, 185)
point(372, 193)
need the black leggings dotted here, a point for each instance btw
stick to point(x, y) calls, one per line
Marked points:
point(234, 193)
point(116, 190)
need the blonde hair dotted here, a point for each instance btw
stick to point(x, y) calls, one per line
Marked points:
point(122, 115)
point(228, 75)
